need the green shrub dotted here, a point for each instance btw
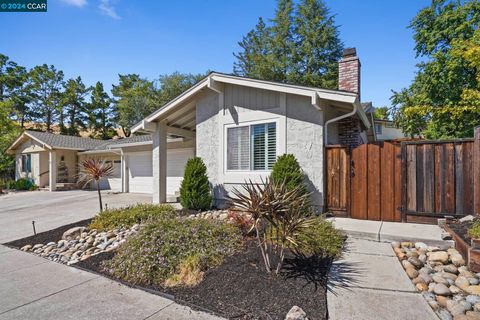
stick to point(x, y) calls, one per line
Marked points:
point(321, 239)
point(287, 170)
point(25, 184)
point(166, 249)
point(195, 191)
point(127, 217)
point(474, 230)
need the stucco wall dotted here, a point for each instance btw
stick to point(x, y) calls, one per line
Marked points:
point(301, 133)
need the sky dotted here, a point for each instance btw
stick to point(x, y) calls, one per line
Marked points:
point(99, 39)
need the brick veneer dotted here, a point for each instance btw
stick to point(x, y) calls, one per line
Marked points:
point(349, 72)
point(349, 130)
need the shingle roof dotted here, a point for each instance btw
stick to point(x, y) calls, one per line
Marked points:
point(62, 141)
point(83, 144)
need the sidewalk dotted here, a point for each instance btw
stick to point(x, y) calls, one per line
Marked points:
point(369, 283)
point(35, 288)
point(391, 231)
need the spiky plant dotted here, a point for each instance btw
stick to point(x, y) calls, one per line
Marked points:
point(279, 218)
point(94, 170)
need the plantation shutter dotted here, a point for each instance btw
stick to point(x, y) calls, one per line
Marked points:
point(238, 148)
point(264, 146)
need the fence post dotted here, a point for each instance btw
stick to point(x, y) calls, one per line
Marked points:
point(476, 170)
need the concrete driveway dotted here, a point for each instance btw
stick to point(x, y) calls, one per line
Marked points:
point(54, 209)
point(35, 288)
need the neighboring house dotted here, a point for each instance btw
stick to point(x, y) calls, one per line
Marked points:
point(238, 126)
point(381, 129)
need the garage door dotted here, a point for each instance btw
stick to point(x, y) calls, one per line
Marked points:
point(176, 161)
point(141, 173)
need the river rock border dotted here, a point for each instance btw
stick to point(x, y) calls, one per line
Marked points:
point(79, 243)
point(450, 289)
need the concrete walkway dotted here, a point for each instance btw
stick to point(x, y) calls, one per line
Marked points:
point(390, 231)
point(35, 288)
point(369, 283)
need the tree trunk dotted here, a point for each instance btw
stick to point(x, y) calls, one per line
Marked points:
point(99, 196)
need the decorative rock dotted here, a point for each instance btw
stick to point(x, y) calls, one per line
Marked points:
point(429, 296)
point(476, 306)
point(406, 264)
point(454, 289)
point(72, 233)
point(441, 290)
point(450, 268)
point(462, 282)
point(473, 289)
point(444, 314)
point(26, 248)
point(472, 299)
point(440, 256)
point(473, 315)
point(423, 257)
point(455, 308)
point(466, 218)
point(37, 246)
point(296, 313)
point(457, 259)
point(416, 262)
point(411, 272)
point(467, 306)
point(421, 246)
point(421, 286)
point(448, 275)
point(442, 301)
point(439, 279)
point(425, 277)
point(473, 281)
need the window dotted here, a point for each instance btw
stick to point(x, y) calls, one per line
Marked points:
point(378, 128)
point(26, 163)
point(252, 147)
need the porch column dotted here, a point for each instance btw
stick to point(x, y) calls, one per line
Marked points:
point(159, 161)
point(124, 173)
point(52, 168)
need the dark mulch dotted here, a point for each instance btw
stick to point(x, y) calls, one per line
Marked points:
point(47, 236)
point(461, 229)
point(241, 289)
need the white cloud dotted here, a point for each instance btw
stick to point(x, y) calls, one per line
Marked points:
point(107, 8)
point(76, 3)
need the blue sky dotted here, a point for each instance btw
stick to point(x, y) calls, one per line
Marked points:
point(98, 39)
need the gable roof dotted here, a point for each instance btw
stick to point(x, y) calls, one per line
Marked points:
point(214, 78)
point(59, 141)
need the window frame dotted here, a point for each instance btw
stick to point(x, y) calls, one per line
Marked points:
point(381, 128)
point(249, 124)
point(25, 162)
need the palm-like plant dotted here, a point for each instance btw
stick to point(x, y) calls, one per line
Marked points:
point(280, 215)
point(94, 170)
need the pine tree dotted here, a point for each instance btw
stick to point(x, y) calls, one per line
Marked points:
point(101, 113)
point(282, 42)
point(75, 106)
point(195, 189)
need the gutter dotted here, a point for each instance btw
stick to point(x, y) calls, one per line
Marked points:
point(343, 116)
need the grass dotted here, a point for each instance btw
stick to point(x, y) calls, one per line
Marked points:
point(474, 230)
point(127, 217)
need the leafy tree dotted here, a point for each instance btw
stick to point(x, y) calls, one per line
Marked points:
point(9, 130)
point(172, 85)
point(300, 46)
point(381, 113)
point(435, 104)
point(101, 113)
point(195, 189)
point(75, 106)
point(45, 86)
point(134, 99)
point(287, 170)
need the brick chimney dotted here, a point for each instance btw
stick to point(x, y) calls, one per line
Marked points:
point(349, 72)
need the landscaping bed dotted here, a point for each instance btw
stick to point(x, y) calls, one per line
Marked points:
point(241, 289)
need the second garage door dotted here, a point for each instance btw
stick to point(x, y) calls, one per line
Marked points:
point(141, 173)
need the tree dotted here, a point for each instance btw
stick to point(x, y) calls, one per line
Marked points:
point(75, 106)
point(195, 191)
point(9, 131)
point(45, 86)
point(101, 113)
point(172, 85)
point(434, 104)
point(134, 99)
point(94, 171)
point(299, 47)
point(381, 113)
point(286, 170)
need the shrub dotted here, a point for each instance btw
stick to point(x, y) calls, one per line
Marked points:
point(174, 251)
point(25, 184)
point(474, 230)
point(321, 239)
point(127, 217)
point(287, 170)
point(195, 189)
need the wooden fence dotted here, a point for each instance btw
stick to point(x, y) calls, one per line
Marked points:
point(412, 181)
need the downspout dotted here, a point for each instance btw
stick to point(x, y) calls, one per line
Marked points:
point(354, 111)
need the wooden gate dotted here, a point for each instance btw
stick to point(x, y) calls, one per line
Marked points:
point(412, 181)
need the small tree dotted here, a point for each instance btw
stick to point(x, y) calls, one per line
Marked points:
point(287, 170)
point(95, 170)
point(195, 189)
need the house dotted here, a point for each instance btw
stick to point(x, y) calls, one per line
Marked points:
point(381, 129)
point(237, 125)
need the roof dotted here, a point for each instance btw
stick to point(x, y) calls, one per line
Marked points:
point(214, 78)
point(59, 141)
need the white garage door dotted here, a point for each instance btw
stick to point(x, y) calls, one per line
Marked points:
point(176, 161)
point(141, 173)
